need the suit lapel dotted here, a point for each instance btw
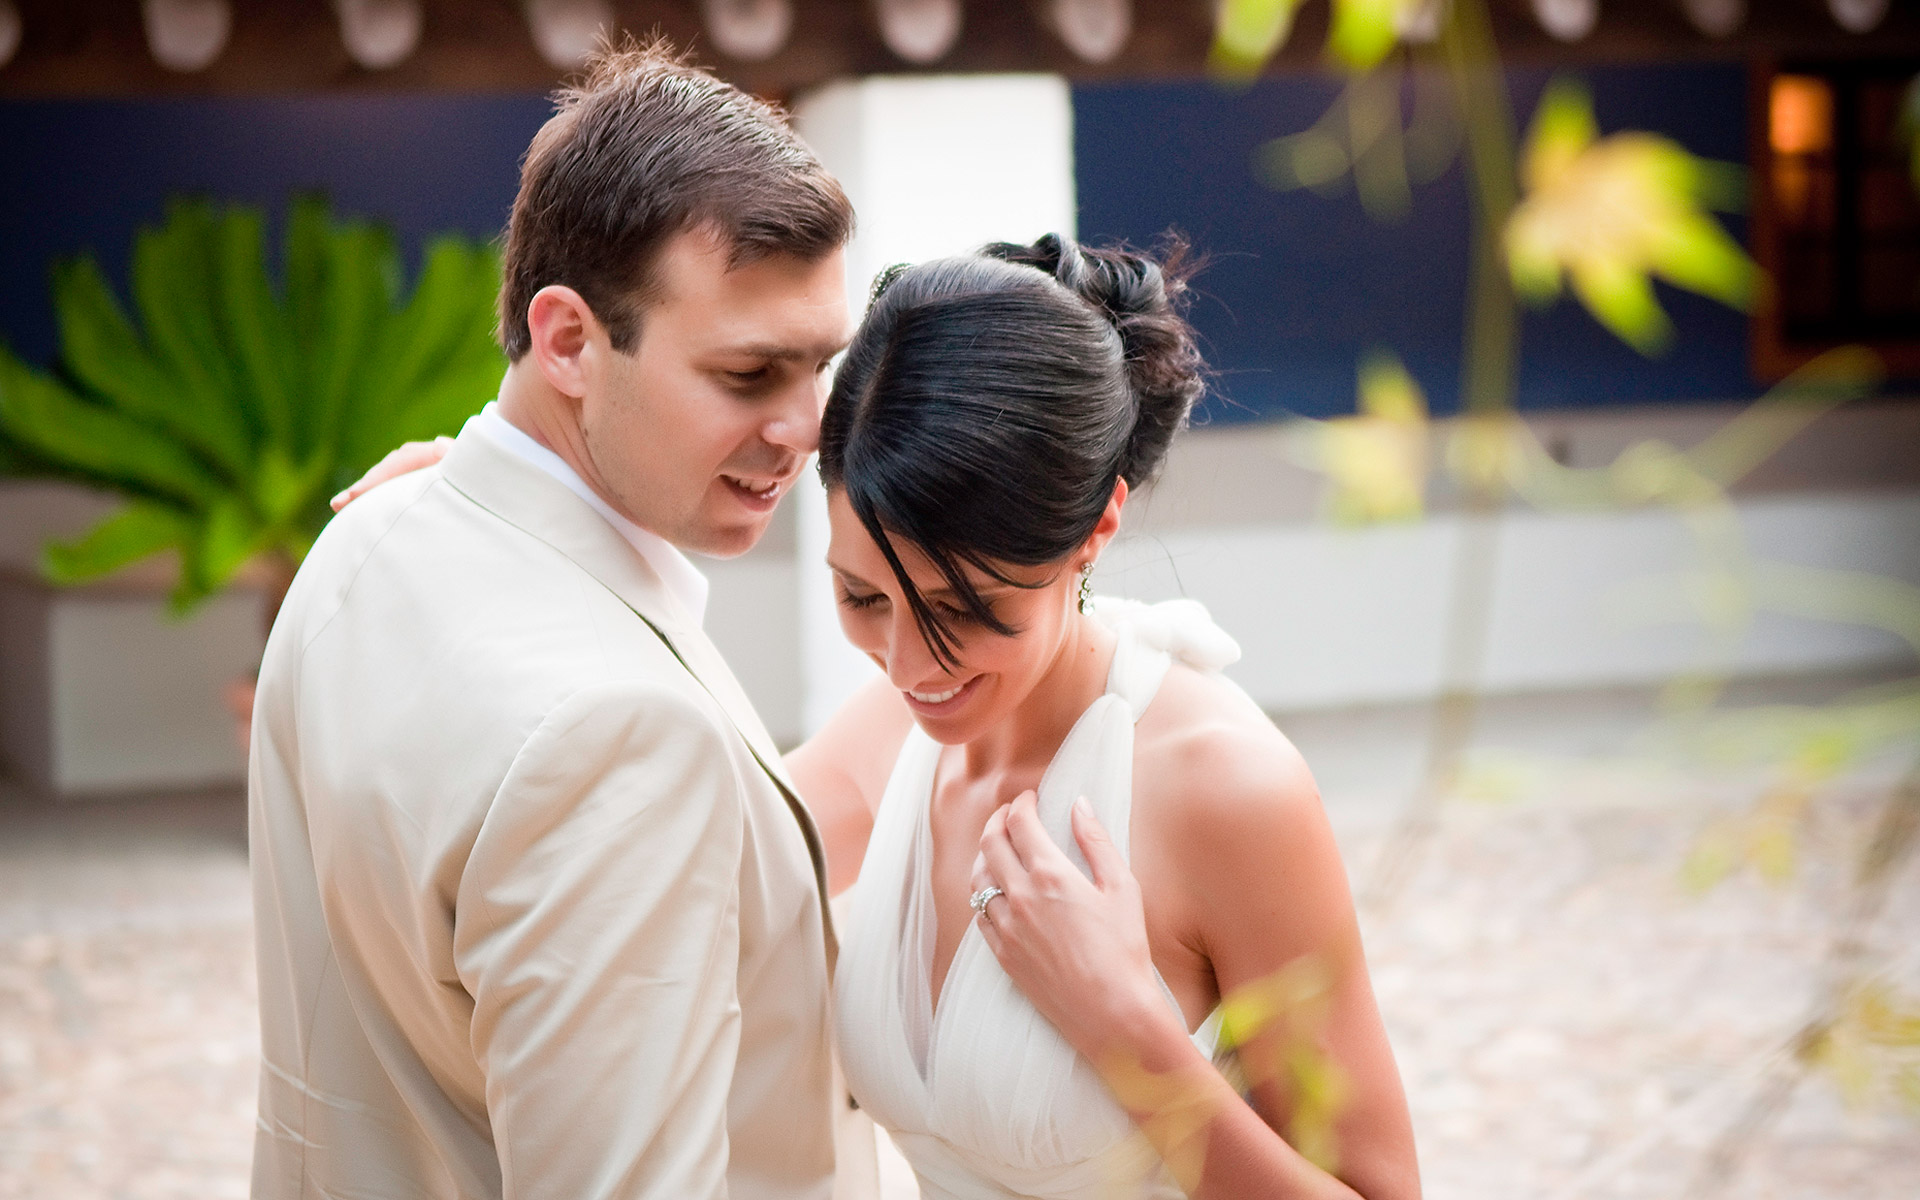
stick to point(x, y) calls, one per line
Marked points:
point(529, 499)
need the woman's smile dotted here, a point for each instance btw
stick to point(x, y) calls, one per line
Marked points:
point(942, 702)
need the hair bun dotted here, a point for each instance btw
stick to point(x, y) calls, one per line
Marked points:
point(1144, 297)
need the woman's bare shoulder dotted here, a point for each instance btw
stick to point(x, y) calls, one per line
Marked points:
point(1234, 804)
point(1207, 736)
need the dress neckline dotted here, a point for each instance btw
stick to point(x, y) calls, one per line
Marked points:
point(1129, 681)
point(982, 1093)
point(935, 995)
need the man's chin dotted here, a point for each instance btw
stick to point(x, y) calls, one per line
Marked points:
point(730, 539)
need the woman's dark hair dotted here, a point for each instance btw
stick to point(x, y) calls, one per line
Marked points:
point(989, 402)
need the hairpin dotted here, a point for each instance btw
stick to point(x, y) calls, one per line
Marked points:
point(884, 280)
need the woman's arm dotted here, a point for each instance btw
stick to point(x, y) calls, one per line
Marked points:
point(842, 772)
point(1277, 923)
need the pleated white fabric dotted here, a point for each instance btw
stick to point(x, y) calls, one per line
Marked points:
point(983, 1096)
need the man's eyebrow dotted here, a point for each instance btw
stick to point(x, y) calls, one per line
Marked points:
point(778, 351)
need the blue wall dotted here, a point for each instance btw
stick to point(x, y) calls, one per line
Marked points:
point(1298, 289)
point(1300, 286)
point(86, 174)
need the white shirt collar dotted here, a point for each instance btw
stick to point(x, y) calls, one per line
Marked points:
point(683, 580)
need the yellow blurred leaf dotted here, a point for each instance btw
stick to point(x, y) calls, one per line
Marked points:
point(1312, 158)
point(1652, 470)
point(1388, 392)
point(1849, 1065)
point(1906, 1085)
point(1320, 1093)
point(1712, 859)
point(1364, 31)
point(1247, 34)
point(1721, 599)
point(1377, 461)
point(1771, 846)
point(1873, 1041)
point(1563, 128)
point(1610, 214)
point(1885, 1017)
point(1291, 994)
point(1492, 779)
point(1490, 451)
point(1619, 294)
point(1825, 753)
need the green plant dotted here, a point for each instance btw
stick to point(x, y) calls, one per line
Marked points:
point(238, 403)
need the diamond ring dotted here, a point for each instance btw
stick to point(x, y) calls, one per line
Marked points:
point(980, 899)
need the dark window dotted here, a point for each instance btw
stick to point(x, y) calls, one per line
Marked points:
point(1839, 216)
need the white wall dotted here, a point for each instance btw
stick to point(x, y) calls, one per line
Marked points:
point(935, 165)
point(102, 690)
point(1329, 617)
point(137, 695)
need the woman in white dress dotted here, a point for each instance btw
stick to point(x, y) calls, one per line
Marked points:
point(1072, 836)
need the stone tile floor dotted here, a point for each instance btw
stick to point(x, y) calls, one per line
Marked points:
point(1572, 1021)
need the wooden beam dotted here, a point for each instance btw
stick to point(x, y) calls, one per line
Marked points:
point(99, 48)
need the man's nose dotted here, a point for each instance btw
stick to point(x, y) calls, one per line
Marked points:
point(795, 423)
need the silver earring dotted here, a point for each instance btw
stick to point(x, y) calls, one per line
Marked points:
point(1086, 586)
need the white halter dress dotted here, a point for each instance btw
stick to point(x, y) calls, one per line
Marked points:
point(981, 1093)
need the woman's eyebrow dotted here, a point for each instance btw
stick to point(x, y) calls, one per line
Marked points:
point(988, 592)
point(847, 576)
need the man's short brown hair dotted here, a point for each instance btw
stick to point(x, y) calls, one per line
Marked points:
point(645, 147)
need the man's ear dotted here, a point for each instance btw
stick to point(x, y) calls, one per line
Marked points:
point(560, 326)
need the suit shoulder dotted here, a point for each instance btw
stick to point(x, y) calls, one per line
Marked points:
point(621, 708)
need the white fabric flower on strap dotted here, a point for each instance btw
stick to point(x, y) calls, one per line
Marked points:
point(1181, 628)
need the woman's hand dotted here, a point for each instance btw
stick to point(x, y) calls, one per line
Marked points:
point(1076, 948)
point(407, 459)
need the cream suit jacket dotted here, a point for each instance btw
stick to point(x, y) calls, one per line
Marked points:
point(537, 913)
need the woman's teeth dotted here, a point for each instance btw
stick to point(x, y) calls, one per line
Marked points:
point(937, 697)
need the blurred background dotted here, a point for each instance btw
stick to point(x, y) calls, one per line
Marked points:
point(1560, 480)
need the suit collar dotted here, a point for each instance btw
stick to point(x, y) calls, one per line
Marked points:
point(682, 579)
point(531, 500)
point(524, 496)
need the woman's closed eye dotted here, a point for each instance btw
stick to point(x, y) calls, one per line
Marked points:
point(954, 614)
point(854, 601)
point(950, 613)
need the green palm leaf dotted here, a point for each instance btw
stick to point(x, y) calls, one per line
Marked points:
point(356, 294)
point(231, 404)
point(140, 529)
point(98, 443)
point(256, 326)
point(106, 356)
point(176, 290)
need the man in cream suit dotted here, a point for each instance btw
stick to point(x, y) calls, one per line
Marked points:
point(538, 913)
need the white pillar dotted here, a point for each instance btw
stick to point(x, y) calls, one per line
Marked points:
point(935, 165)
